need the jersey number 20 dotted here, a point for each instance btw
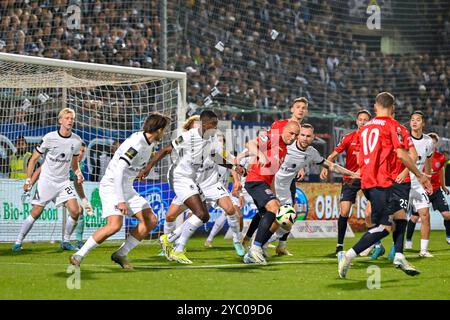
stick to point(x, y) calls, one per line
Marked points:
point(370, 139)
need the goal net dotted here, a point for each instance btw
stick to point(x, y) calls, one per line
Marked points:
point(110, 102)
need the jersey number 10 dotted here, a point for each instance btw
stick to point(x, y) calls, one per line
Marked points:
point(370, 139)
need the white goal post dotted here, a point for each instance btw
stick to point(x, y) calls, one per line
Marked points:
point(111, 102)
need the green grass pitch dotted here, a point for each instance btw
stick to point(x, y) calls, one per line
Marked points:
point(40, 272)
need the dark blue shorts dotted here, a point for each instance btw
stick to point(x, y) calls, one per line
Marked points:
point(439, 201)
point(260, 193)
point(380, 200)
point(350, 189)
point(399, 197)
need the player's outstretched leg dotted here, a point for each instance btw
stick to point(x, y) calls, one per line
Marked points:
point(72, 219)
point(218, 225)
point(26, 227)
point(113, 225)
point(147, 221)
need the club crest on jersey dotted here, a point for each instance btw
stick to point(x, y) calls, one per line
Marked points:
point(437, 164)
point(366, 161)
point(131, 153)
point(264, 138)
point(269, 192)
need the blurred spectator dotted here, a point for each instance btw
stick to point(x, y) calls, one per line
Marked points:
point(18, 162)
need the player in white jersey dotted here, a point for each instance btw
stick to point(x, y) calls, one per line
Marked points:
point(299, 155)
point(60, 149)
point(193, 147)
point(418, 197)
point(118, 197)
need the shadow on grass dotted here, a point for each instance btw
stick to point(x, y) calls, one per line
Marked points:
point(357, 285)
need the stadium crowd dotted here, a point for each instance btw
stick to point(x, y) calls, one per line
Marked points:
point(257, 67)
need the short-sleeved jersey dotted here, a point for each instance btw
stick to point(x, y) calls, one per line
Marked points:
point(349, 144)
point(275, 151)
point(295, 160)
point(136, 151)
point(209, 172)
point(437, 163)
point(424, 147)
point(407, 144)
point(192, 151)
point(378, 139)
point(59, 151)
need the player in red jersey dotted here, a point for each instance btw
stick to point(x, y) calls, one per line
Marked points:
point(350, 187)
point(270, 155)
point(380, 139)
point(299, 110)
point(437, 198)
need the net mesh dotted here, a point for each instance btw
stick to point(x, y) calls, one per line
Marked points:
point(109, 107)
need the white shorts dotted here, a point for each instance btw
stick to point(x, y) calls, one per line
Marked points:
point(59, 193)
point(134, 201)
point(185, 188)
point(214, 192)
point(418, 198)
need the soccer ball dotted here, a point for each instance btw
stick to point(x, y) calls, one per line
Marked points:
point(286, 216)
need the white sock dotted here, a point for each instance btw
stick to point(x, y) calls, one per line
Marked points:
point(25, 228)
point(129, 244)
point(189, 227)
point(350, 254)
point(175, 234)
point(169, 226)
point(233, 222)
point(424, 245)
point(399, 255)
point(70, 226)
point(88, 246)
point(218, 225)
point(277, 235)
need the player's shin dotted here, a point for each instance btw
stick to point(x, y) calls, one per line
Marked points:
point(87, 247)
point(25, 228)
point(369, 238)
point(218, 225)
point(189, 227)
point(399, 234)
point(264, 229)
point(233, 222)
point(70, 227)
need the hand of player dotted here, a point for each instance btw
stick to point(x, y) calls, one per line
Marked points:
point(301, 174)
point(143, 173)
point(240, 170)
point(87, 206)
point(355, 175)
point(425, 182)
point(401, 177)
point(262, 160)
point(324, 174)
point(445, 190)
point(237, 187)
point(80, 178)
point(27, 186)
point(122, 206)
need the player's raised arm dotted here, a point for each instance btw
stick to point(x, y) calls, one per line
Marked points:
point(330, 158)
point(339, 169)
point(154, 160)
point(254, 149)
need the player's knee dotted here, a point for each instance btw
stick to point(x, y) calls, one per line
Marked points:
point(114, 227)
point(273, 206)
point(229, 210)
point(153, 220)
